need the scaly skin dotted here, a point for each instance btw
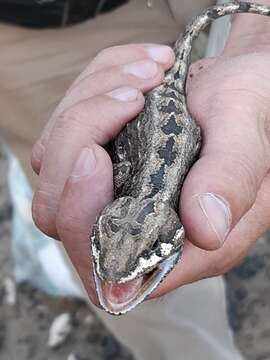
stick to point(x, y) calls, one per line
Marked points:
point(152, 156)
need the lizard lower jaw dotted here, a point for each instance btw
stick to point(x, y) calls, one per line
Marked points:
point(119, 298)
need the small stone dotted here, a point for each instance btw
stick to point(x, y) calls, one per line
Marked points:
point(59, 330)
point(149, 4)
point(10, 291)
point(42, 312)
point(89, 320)
point(72, 356)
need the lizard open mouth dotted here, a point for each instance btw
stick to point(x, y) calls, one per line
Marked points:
point(119, 298)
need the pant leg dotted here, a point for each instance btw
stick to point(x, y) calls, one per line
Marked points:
point(36, 67)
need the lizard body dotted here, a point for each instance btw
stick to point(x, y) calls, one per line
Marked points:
point(138, 238)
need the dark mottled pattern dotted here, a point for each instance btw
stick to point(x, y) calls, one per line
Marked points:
point(166, 153)
point(244, 6)
point(114, 227)
point(166, 236)
point(132, 230)
point(171, 127)
point(213, 14)
point(160, 144)
point(171, 107)
point(148, 209)
point(157, 181)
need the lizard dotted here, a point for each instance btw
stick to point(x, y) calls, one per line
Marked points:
point(138, 238)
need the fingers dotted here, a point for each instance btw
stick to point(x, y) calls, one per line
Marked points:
point(197, 263)
point(223, 184)
point(96, 120)
point(143, 75)
point(140, 66)
point(95, 111)
point(87, 191)
point(75, 175)
point(124, 54)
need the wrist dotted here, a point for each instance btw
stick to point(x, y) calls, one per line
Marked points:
point(249, 32)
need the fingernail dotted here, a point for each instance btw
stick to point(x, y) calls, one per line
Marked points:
point(217, 213)
point(85, 164)
point(124, 94)
point(161, 54)
point(145, 69)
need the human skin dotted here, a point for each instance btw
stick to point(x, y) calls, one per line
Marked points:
point(225, 200)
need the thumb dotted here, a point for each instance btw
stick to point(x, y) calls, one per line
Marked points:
point(223, 184)
point(87, 191)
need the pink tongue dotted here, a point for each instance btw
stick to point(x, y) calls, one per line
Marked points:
point(121, 293)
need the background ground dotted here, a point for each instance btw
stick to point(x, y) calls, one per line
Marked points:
point(25, 323)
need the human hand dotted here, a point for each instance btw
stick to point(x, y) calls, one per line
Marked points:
point(225, 200)
point(233, 164)
point(75, 172)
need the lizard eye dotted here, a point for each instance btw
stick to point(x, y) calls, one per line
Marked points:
point(114, 227)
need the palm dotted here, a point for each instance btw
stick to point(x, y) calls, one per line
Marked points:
point(229, 98)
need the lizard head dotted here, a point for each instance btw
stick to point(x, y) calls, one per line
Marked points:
point(135, 243)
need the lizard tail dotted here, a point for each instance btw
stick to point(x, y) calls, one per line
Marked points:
point(183, 47)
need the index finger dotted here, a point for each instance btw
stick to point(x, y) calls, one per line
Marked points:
point(94, 121)
point(123, 54)
point(107, 58)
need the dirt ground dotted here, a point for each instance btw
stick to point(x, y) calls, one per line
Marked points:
point(25, 320)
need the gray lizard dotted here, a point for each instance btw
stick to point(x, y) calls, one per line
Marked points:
point(138, 238)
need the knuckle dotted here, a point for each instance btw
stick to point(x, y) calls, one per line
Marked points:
point(264, 134)
point(35, 162)
point(37, 156)
point(71, 119)
point(41, 217)
point(214, 270)
point(227, 261)
point(104, 53)
point(102, 56)
point(96, 120)
point(44, 208)
point(266, 188)
point(220, 264)
point(64, 224)
point(247, 175)
point(79, 121)
point(160, 74)
point(39, 221)
point(237, 175)
point(67, 223)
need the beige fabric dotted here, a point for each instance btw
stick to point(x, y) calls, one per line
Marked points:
point(219, 33)
point(184, 10)
point(188, 324)
point(36, 67)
